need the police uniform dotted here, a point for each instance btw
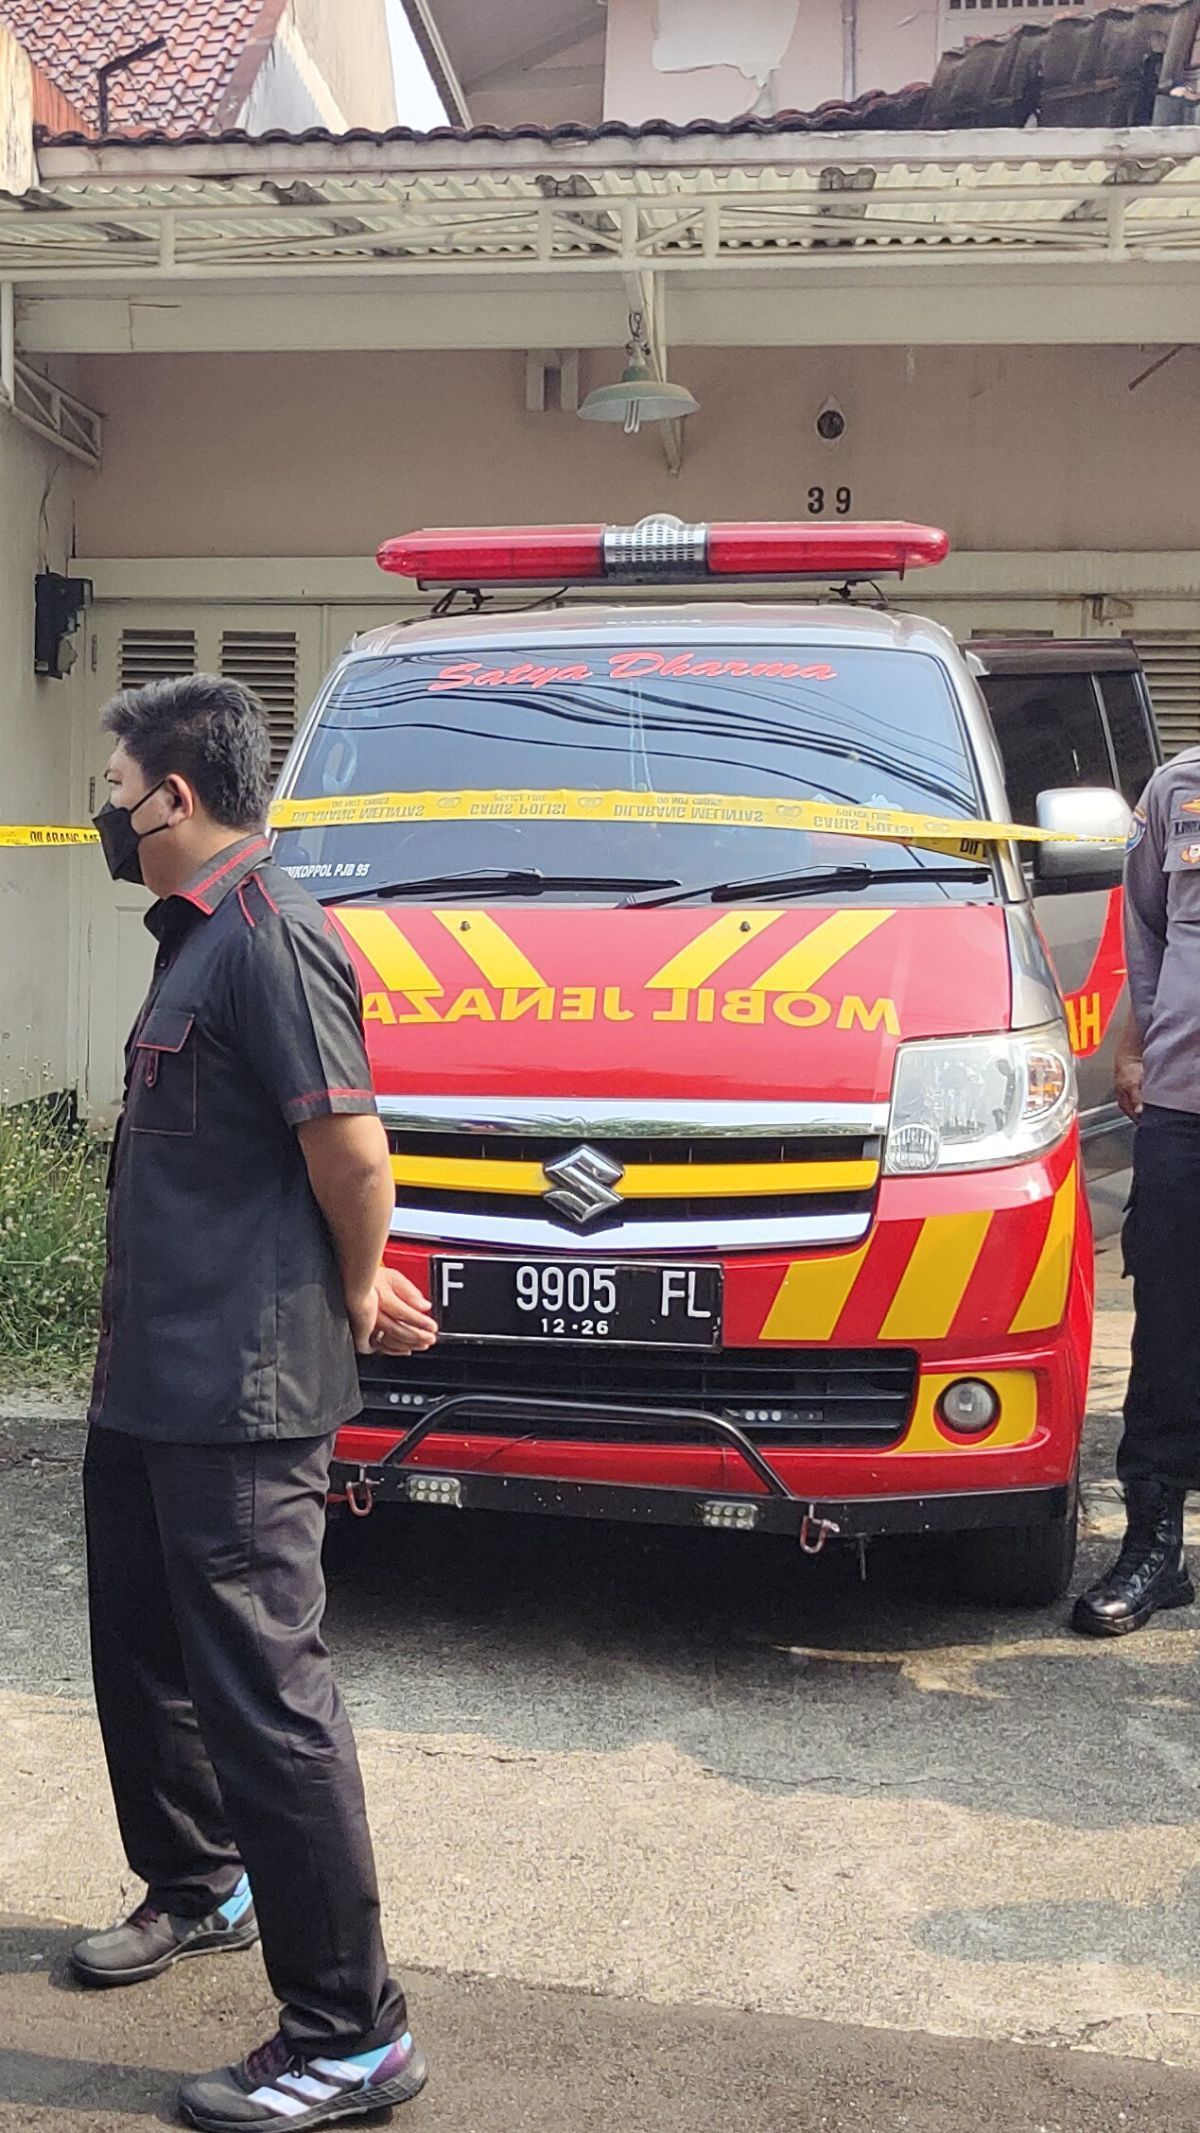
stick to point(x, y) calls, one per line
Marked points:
point(1162, 951)
point(225, 1365)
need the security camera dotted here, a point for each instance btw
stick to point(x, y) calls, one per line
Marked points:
point(830, 423)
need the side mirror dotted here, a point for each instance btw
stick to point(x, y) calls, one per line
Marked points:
point(1089, 812)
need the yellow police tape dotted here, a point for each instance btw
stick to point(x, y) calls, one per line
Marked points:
point(937, 833)
point(13, 833)
point(934, 833)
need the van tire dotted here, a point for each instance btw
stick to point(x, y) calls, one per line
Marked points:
point(1018, 1566)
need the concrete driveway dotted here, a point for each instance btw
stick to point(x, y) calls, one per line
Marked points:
point(675, 1831)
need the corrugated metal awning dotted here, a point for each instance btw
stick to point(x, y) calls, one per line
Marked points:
point(147, 211)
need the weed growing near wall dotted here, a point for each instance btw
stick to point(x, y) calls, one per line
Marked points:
point(51, 1244)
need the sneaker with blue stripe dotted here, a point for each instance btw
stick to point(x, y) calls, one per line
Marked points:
point(277, 2086)
point(151, 1939)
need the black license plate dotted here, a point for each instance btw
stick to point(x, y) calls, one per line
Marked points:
point(578, 1300)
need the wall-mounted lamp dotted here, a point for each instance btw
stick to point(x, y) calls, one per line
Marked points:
point(640, 395)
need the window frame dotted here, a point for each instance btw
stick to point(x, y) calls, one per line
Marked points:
point(1042, 678)
point(1150, 733)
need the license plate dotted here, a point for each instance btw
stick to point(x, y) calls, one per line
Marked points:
point(578, 1300)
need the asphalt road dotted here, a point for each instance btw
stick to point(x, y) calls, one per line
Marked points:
point(674, 1831)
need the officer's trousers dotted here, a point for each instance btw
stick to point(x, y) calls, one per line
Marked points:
point(226, 1739)
point(1162, 1252)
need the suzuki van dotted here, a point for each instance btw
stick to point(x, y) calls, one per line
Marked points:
point(730, 1087)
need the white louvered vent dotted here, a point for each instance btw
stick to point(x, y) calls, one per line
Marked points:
point(1018, 7)
point(1172, 662)
point(156, 655)
point(960, 20)
point(266, 661)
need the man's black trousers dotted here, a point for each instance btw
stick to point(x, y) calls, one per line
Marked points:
point(226, 1739)
point(1162, 1252)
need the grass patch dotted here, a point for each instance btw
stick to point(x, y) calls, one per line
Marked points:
point(51, 1245)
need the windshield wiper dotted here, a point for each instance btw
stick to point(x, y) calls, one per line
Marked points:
point(810, 881)
point(500, 881)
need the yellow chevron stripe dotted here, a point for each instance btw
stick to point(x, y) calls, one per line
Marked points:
point(495, 956)
point(812, 1296)
point(642, 1181)
point(803, 966)
point(712, 947)
point(1045, 1299)
point(392, 956)
point(934, 1282)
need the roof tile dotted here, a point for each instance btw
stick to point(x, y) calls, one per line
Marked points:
point(187, 85)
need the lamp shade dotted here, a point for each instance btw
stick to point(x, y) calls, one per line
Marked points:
point(639, 397)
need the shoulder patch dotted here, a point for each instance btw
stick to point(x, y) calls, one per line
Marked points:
point(1137, 829)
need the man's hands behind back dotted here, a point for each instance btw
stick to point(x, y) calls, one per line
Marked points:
point(350, 1172)
point(393, 1318)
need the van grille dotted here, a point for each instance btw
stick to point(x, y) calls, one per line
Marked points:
point(828, 1398)
point(682, 1180)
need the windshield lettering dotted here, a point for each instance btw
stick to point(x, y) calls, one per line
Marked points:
point(625, 665)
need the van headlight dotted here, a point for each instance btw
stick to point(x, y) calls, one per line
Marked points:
point(961, 1103)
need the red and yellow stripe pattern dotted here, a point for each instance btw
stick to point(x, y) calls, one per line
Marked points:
point(982, 1272)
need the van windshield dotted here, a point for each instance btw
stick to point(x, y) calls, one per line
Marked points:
point(669, 761)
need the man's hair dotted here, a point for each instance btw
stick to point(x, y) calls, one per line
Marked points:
point(205, 729)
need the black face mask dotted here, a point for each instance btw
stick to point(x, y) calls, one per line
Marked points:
point(120, 842)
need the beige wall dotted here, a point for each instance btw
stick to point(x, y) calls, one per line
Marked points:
point(326, 66)
point(896, 43)
point(311, 454)
point(36, 785)
point(349, 45)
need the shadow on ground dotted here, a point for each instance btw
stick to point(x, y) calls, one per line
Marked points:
point(772, 1671)
point(1163, 1935)
point(54, 2085)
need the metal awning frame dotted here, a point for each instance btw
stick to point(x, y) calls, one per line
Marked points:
point(204, 213)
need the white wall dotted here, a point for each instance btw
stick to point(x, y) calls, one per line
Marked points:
point(36, 784)
point(680, 59)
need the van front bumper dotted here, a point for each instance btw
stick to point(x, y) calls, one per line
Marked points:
point(981, 1276)
point(766, 1504)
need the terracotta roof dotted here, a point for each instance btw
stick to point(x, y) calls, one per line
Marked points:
point(1108, 69)
point(213, 52)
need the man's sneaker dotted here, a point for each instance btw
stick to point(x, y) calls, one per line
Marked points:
point(278, 2086)
point(151, 1940)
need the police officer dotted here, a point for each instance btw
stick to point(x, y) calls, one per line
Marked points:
point(250, 1196)
point(1158, 1085)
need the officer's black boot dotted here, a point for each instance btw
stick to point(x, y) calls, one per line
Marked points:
point(1150, 1572)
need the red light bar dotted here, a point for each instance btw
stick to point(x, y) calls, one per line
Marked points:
point(771, 551)
point(660, 551)
point(520, 555)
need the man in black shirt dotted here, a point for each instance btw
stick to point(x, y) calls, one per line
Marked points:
point(250, 1196)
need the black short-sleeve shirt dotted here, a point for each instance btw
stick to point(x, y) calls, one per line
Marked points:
point(223, 1317)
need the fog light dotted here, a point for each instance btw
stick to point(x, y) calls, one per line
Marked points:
point(741, 1516)
point(434, 1488)
point(914, 1147)
point(969, 1406)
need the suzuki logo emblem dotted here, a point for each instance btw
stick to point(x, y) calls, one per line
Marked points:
point(581, 1185)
